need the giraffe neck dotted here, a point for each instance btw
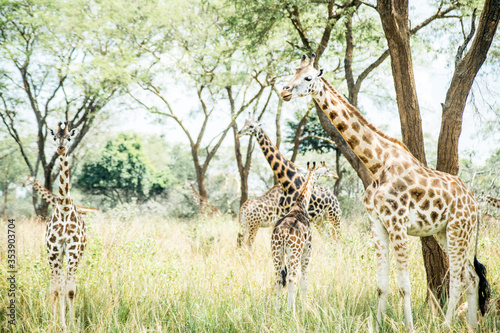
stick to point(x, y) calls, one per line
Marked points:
point(492, 201)
point(374, 148)
point(283, 169)
point(197, 197)
point(302, 203)
point(64, 183)
point(50, 197)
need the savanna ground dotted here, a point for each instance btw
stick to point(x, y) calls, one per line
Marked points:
point(152, 275)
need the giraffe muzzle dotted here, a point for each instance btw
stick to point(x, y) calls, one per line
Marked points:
point(286, 95)
point(61, 150)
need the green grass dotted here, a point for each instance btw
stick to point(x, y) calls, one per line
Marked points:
point(175, 276)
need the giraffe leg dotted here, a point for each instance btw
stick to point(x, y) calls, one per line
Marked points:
point(242, 235)
point(74, 254)
point(252, 233)
point(381, 241)
point(399, 242)
point(334, 222)
point(278, 263)
point(294, 258)
point(56, 286)
point(472, 281)
point(457, 270)
point(306, 256)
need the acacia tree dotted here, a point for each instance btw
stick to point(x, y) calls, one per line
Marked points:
point(206, 59)
point(56, 66)
point(394, 17)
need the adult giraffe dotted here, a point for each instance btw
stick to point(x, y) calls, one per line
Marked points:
point(405, 198)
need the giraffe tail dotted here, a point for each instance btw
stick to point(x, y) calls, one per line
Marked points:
point(283, 276)
point(484, 289)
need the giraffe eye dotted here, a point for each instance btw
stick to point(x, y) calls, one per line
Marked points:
point(308, 78)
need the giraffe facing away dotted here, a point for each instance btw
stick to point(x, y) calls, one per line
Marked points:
point(291, 242)
point(291, 177)
point(65, 233)
point(51, 198)
point(204, 207)
point(263, 212)
point(405, 198)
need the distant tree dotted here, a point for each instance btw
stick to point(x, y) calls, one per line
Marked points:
point(123, 173)
point(56, 66)
point(224, 81)
point(12, 171)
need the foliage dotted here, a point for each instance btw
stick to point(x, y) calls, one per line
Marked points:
point(312, 132)
point(123, 174)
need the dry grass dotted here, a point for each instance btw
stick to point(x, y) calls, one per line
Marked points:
point(167, 276)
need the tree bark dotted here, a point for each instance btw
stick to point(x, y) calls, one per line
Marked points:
point(394, 17)
point(466, 69)
point(298, 133)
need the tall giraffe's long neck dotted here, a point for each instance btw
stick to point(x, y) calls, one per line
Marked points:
point(302, 203)
point(64, 183)
point(374, 148)
point(50, 197)
point(283, 169)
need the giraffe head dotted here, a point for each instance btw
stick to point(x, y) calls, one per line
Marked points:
point(325, 171)
point(305, 82)
point(63, 136)
point(251, 127)
point(29, 181)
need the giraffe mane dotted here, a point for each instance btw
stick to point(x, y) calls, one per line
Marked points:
point(303, 189)
point(362, 119)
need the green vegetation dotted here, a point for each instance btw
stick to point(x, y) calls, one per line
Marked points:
point(144, 274)
point(123, 173)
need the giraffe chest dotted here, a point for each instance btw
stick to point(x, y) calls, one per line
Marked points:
point(65, 227)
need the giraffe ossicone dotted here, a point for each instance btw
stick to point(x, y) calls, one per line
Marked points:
point(406, 198)
point(65, 233)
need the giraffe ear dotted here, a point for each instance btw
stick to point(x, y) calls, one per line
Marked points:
point(320, 74)
point(73, 132)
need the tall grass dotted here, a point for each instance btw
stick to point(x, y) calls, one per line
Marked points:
point(149, 275)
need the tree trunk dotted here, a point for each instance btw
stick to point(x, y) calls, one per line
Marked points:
point(243, 168)
point(394, 17)
point(336, 187)
point(298, 133)
point(466, 69)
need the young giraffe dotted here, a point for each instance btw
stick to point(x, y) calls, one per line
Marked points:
point(65, 234)
point(405, 198)
point(323, 201)
point(204, 208)
point(292, 238)
point(262, 212)
point(51, 198)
